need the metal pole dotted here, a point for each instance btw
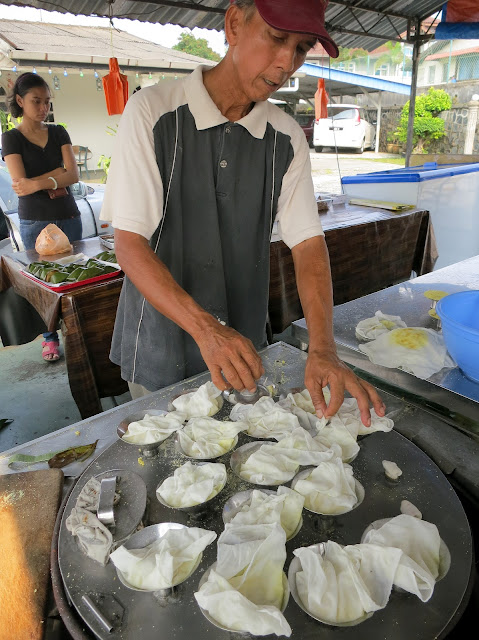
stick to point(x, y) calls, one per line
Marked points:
point(412, 99)
point(378, 122)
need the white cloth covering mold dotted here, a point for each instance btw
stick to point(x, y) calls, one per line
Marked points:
point(164, 563)
point(193, 484)
point(154, 428)
point(245, 590)
point(204, 438)
point(205, 401)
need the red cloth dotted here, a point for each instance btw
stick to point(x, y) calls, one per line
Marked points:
point(462, 11)
point(321, 101)
point(115, 86)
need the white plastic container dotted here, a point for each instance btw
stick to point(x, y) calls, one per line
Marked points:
point(449, 192)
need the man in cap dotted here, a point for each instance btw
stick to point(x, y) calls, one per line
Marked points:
point(201, 170)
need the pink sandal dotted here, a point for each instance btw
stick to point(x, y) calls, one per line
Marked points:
point(50, 351)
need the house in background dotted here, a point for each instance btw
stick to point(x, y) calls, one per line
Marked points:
point(73, 59)
point(445, 61)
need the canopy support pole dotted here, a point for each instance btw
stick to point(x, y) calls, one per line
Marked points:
point(412, 100)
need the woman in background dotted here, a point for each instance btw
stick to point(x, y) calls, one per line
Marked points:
point(42, 165)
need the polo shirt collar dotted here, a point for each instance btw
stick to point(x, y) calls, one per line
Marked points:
point(207, 115)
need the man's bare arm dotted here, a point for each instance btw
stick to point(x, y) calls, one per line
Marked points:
point(223, 349)
point(323, 367)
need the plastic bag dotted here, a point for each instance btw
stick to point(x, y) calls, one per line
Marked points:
point(52, 240)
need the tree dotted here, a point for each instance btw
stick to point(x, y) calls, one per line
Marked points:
point(427, 125)
point(393, 56)
point(196, 47)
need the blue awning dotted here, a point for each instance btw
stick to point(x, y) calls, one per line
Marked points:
point(368, 82)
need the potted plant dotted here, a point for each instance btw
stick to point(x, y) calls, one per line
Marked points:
point(393, 145)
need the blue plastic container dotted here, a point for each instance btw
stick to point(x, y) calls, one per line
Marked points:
point(459, 313)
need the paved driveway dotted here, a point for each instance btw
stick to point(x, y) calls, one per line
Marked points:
point(326, 175)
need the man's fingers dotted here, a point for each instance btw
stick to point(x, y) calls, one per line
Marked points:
point(375, 399)
point(254, 363)
point(359, 392)
point(337, 396)
point(317, 398)
point(218, 379)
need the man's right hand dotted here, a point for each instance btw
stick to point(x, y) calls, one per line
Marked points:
point(226, 351)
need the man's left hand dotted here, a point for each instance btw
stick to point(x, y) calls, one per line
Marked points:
point(324, 368)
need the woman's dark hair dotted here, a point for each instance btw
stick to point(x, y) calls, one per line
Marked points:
point(22, 86)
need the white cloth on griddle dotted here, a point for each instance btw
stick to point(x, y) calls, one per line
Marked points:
point(233, 610)
point(205, 401)
point(420, 542)
point(89, 496)
point(285, 507)
point(336, 432)
point(347, 582)
point(166, 561)
point(278, 463)
point(204, 438)
point(193, 484)
point(372, 328)
point(302, 399)
point(154, 428)
point(94, 539)
point(329, 488)
point(265, 418)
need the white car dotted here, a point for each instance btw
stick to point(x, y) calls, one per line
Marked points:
point(89, 201)
point(344, 128)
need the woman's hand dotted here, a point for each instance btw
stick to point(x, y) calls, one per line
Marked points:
point(24, 186)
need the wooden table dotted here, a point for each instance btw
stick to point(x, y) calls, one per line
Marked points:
point(369, 249)
point(87, 316)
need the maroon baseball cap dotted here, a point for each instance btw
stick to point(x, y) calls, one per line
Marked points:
point(298, 16)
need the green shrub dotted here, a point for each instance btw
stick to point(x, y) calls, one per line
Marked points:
point(427, 125)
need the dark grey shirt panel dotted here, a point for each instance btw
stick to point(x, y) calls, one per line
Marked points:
point(214, 238)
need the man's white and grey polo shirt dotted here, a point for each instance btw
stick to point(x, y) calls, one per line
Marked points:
point(205, 193)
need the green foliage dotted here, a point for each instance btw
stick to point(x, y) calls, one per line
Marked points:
point(393, 56)
point(350, 54)
point(196, 47)
point(104, 163)
point(427, 125)
point(7, 122)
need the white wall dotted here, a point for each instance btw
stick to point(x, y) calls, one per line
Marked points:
point(83, 109)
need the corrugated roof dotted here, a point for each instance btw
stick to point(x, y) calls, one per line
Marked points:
point(56, 40)
point(366, 18)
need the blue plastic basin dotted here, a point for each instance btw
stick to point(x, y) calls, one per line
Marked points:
point(459, 313)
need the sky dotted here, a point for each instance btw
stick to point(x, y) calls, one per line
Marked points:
point(166, 35)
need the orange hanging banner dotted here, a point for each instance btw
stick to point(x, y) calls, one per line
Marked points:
point(115, 85)
point(321, 101)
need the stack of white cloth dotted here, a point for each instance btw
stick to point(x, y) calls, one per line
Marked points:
point(204, 438)
point(372, 328)
point(265, 418)
point(416, 350)
point(245, 591)
point(193, 484)
point(205, 401)
point(94, 539)
point(154, 428)
point(164, 563)
point(285, 508)
point(346, 583)
point(277, 463)
point(329, 489)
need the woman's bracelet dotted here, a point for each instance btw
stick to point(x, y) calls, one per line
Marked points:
point(55, 183)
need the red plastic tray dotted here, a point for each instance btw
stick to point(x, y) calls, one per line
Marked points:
point(66, 286)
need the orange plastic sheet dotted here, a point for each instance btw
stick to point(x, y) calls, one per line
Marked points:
point(321, 101)
point(115, 85)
